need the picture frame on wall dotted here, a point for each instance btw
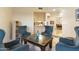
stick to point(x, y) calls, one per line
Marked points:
point(52, 23)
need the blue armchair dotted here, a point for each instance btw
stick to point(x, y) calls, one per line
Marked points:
point(15, 45)
point(2, 34)
point(23, 31)
point(48, 31)
point(69, 45)
point(11, 46)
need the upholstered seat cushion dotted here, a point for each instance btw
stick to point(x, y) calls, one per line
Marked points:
point(3, 49)
point(67, 41)
point(24, 47)
point(62, 47)
point(11, 43)
point(66, 44)
point(2, 45)
point(15, 45)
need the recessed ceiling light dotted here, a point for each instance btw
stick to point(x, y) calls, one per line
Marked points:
point(48, 14)
point(54, 9)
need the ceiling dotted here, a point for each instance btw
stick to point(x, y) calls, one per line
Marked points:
point(36, 9)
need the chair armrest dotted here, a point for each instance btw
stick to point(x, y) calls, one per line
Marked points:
point(3, 49)
point(11, 43)
point(24, 47)
point(42, 33)
point(67, 41)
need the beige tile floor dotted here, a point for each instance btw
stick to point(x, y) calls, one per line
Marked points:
point(56, 35)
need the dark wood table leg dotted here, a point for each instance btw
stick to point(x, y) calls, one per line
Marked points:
point(42, 48)
point(22, 41)
point(50, 44)
point(25, 41)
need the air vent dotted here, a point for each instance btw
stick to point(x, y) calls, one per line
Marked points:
point(40, 8)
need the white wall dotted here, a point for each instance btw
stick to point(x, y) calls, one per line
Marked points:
point(5, 19)
point(26, 15)
point(26, 19)
point(68, 22)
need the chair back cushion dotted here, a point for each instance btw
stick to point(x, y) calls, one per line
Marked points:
point(48, 29)
point(2, 34)
point(22, 29)
point(77, 36)
point(77, 30)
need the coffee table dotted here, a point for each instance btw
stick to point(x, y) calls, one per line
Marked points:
point(41, 42)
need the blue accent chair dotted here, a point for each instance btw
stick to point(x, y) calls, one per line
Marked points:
point(23, 31)
point(48, 31)
point(2, 34)
point(15, 45)
point(11, 46)
point(68, 45)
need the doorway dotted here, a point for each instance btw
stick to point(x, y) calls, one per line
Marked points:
point(47, 18)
